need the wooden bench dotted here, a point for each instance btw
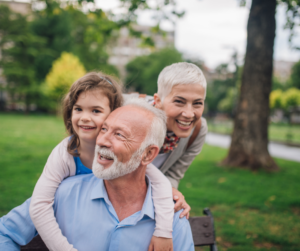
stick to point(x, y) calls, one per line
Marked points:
point(202, 230)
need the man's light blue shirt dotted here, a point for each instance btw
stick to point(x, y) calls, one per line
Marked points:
point(88, 220)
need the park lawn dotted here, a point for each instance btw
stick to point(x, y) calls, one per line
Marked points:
point(252, 210)
point(277, 132)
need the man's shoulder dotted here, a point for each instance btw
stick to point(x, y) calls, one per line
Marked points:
point(76, 182)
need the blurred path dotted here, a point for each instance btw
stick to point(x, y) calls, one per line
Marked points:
point(275, 149)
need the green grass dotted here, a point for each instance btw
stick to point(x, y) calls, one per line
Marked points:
point(252, 210)
point(25, 144)
point(277, 132)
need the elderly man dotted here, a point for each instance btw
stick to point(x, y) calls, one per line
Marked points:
point(114, 210)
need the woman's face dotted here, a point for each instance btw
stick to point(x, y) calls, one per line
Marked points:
point(184, 107)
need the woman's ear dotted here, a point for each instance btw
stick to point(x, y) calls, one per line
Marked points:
point(157, 100)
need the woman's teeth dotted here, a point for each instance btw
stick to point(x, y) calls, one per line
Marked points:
point(184, 123)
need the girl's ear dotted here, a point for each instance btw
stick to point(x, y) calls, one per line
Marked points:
point(157, 100)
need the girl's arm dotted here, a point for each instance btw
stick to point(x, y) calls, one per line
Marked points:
point(60, 165)
point(163, 202)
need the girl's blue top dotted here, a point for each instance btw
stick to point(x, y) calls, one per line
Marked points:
point(80, 168)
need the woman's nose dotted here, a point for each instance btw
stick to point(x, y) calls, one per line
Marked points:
point(188, 112)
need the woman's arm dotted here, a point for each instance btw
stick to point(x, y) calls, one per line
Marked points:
point(60, 165)
point(177, 171)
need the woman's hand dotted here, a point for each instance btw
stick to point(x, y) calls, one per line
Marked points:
point(160, 244)
point(180, 203)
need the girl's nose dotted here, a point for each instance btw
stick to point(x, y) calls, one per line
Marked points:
point(85, 117)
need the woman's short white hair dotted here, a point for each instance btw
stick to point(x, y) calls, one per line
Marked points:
point(179, 74)
point(157, 132)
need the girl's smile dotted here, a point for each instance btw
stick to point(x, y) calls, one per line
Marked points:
point(88, 115)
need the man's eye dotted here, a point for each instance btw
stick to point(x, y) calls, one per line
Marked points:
point(103, 129)
point(120, 135)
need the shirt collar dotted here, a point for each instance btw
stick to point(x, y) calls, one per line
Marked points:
point(99, 191)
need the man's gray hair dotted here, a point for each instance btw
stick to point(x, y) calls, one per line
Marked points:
point(179, 74)
point(157, 132)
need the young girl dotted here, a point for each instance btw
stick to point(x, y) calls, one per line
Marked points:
point(85, 107)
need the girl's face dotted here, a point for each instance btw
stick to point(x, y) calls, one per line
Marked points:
point(184, 107)
point(88, 115)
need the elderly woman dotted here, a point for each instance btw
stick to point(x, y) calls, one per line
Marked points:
point(181, 94)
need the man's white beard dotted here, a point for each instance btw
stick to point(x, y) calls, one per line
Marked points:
point(117, 169)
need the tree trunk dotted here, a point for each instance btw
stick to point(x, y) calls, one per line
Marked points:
point(249, 146)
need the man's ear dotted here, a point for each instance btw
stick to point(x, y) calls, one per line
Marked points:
point(157, 100)
point(149, 154)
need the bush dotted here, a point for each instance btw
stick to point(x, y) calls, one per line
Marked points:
point(65, 71)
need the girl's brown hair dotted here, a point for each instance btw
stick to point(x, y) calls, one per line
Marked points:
point(91, 81)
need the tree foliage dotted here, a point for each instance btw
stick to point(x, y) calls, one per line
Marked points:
point(284, 99)
point(64, 72)
point(20, 49)
point(142, 72)
point(295, 76)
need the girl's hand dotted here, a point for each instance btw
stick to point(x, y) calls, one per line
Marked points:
point(180, 203)
point(160, 244)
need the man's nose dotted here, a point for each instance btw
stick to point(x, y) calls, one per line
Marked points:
point(103, 139)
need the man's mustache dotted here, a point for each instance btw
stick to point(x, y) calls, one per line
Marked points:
point(104, 152)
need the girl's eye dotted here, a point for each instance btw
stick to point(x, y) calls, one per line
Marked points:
point(96, 111)
point(77, 109)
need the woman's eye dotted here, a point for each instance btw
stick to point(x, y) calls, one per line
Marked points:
point(198, 103)
point(178, 101)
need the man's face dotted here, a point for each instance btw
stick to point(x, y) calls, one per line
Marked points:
point(118, 144)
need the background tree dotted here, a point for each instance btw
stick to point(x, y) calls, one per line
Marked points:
point(64, 72)
point(295, 76)
point(143, 71)
point(249, 145)
point(20, 49)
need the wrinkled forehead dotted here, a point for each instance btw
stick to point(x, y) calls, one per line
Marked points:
point(130, 118)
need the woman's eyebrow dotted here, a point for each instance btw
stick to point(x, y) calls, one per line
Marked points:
point(180, 97)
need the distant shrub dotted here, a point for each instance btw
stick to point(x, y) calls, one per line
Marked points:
point(64, 72)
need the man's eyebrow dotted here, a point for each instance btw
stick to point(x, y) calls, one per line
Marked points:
point(118, 127)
